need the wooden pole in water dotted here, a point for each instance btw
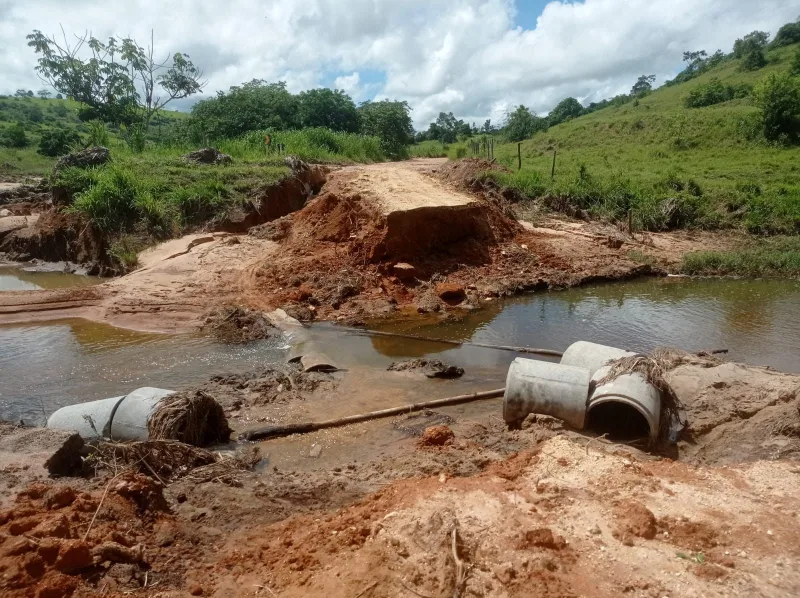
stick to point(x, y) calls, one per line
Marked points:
point(304, 428)
point(519, 156)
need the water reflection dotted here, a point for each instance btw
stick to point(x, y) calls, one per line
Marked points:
point(15, 278)
point(754, 319)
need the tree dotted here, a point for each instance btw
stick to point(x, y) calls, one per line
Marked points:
point(487, 128)
point(14, 136)
point(328, 108)
point(446, 127)
point(254, 106)
point(57, 142)
point(522, 123)
point(787, 35)
point(566, 109)
point(754, 41)
point(778, 97)
point(390, 121)
point(59, 96)
point(643, 85)
point(23, 93)
point(44, 93)
point(694, 60)
point(118, 81)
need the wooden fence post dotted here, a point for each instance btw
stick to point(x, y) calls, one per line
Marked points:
point(519, 156)
point(553, 170)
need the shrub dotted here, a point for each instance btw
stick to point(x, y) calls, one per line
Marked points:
point(57, 142)
point(754, 60)
point(98, 133)
point(715, 92)
point(113, 199)
point(795, 65)
point(778, 97)
point(14, 136)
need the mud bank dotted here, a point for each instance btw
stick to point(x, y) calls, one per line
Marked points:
point(541, 510)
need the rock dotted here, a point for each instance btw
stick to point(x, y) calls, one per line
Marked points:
point(74, 555)
point(57, 498)
point(634, 519)
point(143, 491)
point(404, 271)
point(542, 537)
point(4, 213)
point(113, 552)
point(451, 292)
point(432, 368)
point(436, 436)
point(88, 158)
point(208, 155)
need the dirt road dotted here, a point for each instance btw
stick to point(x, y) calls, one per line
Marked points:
point(336, 258)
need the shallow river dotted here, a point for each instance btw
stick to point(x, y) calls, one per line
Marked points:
point(46, 366)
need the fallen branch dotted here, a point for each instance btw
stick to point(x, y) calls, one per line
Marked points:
point(304, 428)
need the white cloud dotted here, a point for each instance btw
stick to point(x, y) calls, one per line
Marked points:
point(464, 56)
point(349, 84)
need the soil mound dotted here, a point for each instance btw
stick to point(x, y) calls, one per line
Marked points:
point(208, 155)
point(432, 368)
point(239, 325)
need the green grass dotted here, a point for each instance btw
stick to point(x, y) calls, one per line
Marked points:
point(779, 256)
point(672, 165)
point(24, 162)
point(429, 149)
point(157, 194)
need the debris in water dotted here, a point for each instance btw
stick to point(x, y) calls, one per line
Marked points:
point(432, 368)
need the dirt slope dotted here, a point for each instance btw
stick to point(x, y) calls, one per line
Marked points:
point(377, 239)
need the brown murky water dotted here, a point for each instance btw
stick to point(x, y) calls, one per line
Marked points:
point(22, 278)
point(43, 367)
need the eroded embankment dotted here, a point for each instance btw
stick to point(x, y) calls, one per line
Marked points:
point(377, 239)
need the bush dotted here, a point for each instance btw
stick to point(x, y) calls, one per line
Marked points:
point(57, 142)
point(795, 65)
point(715, 92)
point(113, 199)
point(778, 97)
point(754, 60)
point(98, 133)
point(14, 136)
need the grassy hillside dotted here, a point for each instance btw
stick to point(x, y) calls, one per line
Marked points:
point(672, 165)
point(38, 115)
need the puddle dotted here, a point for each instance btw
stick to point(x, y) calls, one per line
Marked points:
point(21, 278)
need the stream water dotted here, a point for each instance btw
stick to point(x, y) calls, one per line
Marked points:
point(46, 366)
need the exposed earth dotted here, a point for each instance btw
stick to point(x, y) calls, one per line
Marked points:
point(412, 236)
point(461, 507)
point(437, 504)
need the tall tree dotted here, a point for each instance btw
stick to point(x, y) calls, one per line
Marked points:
point(118, 80)
point(390, 121)
point(566, 109)
point(522, 123)
point(752, 42)
point(44, 93)
point(694, 60)
point(643, 85)
point(328, 108)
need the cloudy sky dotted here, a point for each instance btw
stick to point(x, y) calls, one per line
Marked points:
point(476, 58)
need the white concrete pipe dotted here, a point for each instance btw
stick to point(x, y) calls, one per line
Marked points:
point(632, 390)
point(91, 420)
point(130, 420)
point(546, 388)
point(591, 356)
point(117, 418)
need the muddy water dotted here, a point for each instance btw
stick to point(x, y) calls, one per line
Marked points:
point(43, 367)
point(16, 278)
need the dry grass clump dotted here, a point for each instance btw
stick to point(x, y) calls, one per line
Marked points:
point(167, 460)
point(170, 460)
point(194, 418)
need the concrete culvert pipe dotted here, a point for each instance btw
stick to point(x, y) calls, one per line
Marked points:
point(130, 420)
point(626, 408)
point(546, 388)
point(591, 356)
point(91, 420)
